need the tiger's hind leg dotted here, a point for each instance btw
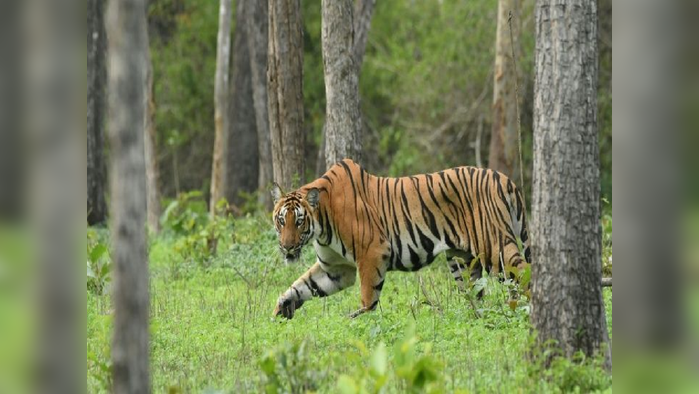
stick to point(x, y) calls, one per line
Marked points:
point(458, 268)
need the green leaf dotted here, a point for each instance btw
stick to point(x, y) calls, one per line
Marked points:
point(379, 360)
point(98, 251)
point(347, 385)
point(268, 365)
point(479, 285)
point(90, 272)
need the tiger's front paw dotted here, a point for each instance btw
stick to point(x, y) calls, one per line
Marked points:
point(287, 307)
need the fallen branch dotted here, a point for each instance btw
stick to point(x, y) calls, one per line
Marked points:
point(606, 282)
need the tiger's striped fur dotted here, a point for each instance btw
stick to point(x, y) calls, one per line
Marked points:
point(370, 224)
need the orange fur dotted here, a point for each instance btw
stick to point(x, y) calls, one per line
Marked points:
point(358, 221)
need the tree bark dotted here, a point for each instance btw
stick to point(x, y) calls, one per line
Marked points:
point(96, 80)
point(218, 166)
point(503, 140)
point(567, 304)
point(127, 77)
point(150, 151)
point(343, 120)
point(243, 160)
point(363, 12)
point(54, 143)
point(257, 15)
point(285, 92)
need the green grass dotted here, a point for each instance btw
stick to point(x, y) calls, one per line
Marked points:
point(211, 325)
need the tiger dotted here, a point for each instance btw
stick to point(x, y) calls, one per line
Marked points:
point(370, 225)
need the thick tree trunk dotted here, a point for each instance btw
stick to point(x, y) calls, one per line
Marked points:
point(285, 92)
point(503, 139)
point(649, 183)
point(567, 304)
point(96, 96)
point(363, 12)
point(257, 45)
point(218, 164)
point(150, 152)
point(343, 121)
point(243, 161)
point(127, 76)
point(52, 101)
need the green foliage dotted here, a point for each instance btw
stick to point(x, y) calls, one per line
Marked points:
point(197, 235)
point(183, 51)
point(288, 369)
point(412, 369)
point(184, 214)
point(607, 245)
point(581, 374)
point(99, 263)
point(425, 86)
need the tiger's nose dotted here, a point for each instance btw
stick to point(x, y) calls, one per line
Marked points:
point(287, 248)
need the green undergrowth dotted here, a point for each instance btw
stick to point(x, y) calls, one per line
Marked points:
point(212, 328)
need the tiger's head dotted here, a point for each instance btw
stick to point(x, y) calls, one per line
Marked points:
point(293, 220)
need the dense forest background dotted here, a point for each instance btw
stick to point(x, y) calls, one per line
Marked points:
point(426, 87)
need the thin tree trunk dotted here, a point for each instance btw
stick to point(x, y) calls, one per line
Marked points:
point(12, 162)
point(343, 120)
point(52, 101)
point(218, 166)
point(243, 160)
point(503, 140)
point(567, 304)
point(127, 76)
point(150, 152)
point(285, 92)
point(257, 45)
point(96, 96)
point(363, 12)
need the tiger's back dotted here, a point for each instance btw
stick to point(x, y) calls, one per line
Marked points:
point(476, 211)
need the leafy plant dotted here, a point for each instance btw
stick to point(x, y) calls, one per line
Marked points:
point(99, 264)
point(579, 374)
point(184, 214)
point(607, 245)
point(414, 370)
point(288, 369)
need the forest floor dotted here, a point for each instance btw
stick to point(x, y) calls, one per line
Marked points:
point(212, 329)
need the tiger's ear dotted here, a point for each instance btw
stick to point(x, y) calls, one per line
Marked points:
point(313, 197)
point(276, 192)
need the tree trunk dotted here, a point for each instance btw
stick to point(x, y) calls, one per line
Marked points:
point(503, 139)
point(257, 45)
point(54, 143)
point(243, 160)
point(127, 76)
point(363, 12)
point(285, 92)
point(567, 304)
point(343, 121)
point(96, 79)
point(218, 166)
point(150, 151)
